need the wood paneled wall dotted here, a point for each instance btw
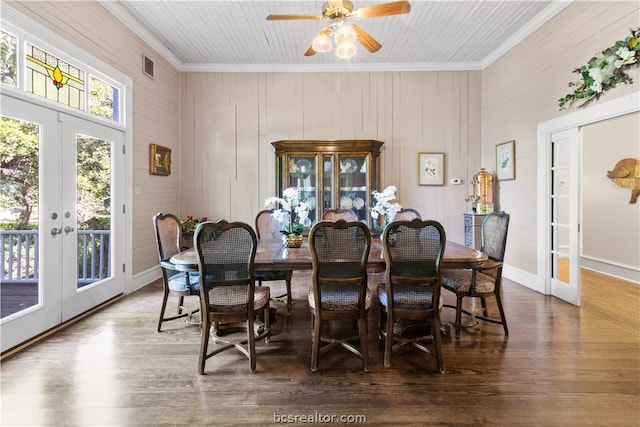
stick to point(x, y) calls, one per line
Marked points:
point(228, 121)
point(92, 28)
point(521, 89)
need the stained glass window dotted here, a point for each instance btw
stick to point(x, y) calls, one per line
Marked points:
point(52, 78)
point(8, 65)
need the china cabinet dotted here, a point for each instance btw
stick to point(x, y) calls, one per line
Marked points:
point(330, 174)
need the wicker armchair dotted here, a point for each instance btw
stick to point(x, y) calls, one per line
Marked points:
point(268, 228)
point(175, 283)
point(485, 280)
point(226, 253)
point(336, 214)
point(339, 252)
point(411, 292)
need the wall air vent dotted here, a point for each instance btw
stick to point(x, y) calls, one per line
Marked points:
point(147, 65)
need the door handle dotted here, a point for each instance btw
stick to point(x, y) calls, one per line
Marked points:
point(55, 231)
point(68, 229)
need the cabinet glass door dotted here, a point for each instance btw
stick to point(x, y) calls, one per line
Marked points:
point(328, 185)
point(353, 184)
point(303, 174)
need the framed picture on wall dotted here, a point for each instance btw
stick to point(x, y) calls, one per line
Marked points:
point(506, 161)
point(159, 160)
point(430, 168)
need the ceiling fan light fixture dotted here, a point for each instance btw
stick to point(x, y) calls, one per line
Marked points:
point(345, 50)
point(322, 43)
point(345, 34)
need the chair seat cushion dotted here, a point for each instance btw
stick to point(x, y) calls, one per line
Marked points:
point(407, 296)
point(178, 282)
point(460, 281)
point(273, 275)
point(231, 299)
point(340, 298)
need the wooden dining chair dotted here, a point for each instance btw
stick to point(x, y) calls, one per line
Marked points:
point(268, 228)
point(407, 214)
point(485, 280)
point(413, 251)
point(226, 254)
point(174, 282)
point(340, 213)
point(339, 253)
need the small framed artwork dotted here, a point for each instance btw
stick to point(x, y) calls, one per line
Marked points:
point(430, 168)
point(159, 160)
point(506, 161)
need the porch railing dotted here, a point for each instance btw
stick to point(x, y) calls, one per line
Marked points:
point(20, 263)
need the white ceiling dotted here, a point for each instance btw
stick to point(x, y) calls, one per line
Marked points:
point(219, 35)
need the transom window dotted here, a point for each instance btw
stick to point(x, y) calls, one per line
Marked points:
point(50, 75)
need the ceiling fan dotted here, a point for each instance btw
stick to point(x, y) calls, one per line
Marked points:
point(340, 14)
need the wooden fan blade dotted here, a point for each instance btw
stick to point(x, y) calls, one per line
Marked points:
point(385, 9)
point(292, 17)
point(366, 40)
point(309, 51)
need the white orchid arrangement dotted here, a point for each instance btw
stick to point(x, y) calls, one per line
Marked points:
point(604, 71)
point(289, 211)
point(385, 204)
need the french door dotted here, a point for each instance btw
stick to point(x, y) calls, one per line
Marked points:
point(565, 215)
point(75, 252)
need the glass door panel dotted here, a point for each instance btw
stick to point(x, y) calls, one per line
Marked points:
point(329, 191)
point(30, 218)
point(353, 184)
point(303, 175)
point(564, 203)
point(92, 224)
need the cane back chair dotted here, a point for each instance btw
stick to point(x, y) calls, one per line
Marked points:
point(486, 280)
point(339, 252)
point(226, 254)
point(175, 283)
point(413, 251)
point(407, 214)
point(268, 228)
point(340, 213)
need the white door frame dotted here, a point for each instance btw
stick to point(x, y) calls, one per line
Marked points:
point(607, 110)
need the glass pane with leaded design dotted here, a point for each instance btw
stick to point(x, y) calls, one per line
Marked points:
point(8, 63)
point(52, 78)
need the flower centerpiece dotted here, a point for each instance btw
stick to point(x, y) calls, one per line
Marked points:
point(190, 223)
point(291, 213)
point(385, 206)
point(604, 71)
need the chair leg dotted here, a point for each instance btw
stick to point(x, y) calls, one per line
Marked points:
point(315, 345)
point(204, 345)
point(288, 296)
point(164, 306)
point(502, 316)
point(180, 304)
point(458, 314)
point(267, 323)
point(388, 343)
point(251, 343)
point(483, 302)
point(437, 344)
point(364, 346)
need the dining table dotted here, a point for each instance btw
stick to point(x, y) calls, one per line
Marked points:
point(272, 255)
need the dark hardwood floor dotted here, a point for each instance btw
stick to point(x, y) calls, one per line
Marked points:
point(560, 366)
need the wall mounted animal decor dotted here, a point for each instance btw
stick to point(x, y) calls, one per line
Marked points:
point(627, 174)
